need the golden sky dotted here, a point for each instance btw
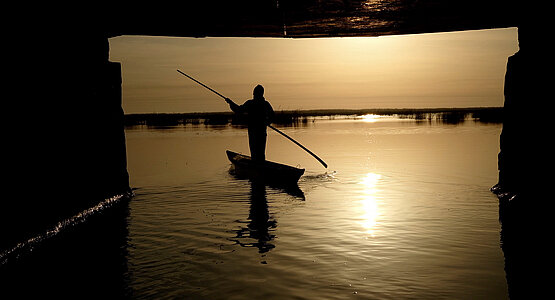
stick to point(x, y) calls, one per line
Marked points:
point(457, 69)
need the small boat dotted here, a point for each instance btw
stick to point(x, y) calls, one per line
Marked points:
point(266, 171)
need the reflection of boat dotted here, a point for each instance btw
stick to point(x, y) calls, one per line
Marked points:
point(292, 189)
point(266, 171)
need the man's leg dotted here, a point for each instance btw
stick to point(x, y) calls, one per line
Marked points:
point(257, 145)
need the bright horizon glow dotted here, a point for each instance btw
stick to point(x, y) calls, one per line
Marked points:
point(371, 118)
point(456, 69)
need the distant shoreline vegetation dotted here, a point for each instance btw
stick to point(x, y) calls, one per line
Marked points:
point(300, 117)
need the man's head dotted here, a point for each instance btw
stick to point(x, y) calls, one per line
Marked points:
point(258, 92)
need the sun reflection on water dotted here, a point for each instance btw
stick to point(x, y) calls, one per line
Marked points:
point(369, 202)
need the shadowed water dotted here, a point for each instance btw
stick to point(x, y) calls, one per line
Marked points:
point(403, 211)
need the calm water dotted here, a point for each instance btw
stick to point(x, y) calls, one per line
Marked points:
point(403, 211)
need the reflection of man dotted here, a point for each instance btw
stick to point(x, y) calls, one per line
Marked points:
point(261, 227)
point(259, 114)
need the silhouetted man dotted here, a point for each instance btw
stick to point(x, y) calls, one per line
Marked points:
point(259, 114)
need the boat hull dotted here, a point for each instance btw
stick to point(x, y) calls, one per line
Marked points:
point(264, 171)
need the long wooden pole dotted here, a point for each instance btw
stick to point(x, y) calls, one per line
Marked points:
point(298, 144)
point(277, 130)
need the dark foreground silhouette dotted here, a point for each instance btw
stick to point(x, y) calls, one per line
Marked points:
point(525, 165)
point(84, 260)
point(526, 231)
point(524, 141)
